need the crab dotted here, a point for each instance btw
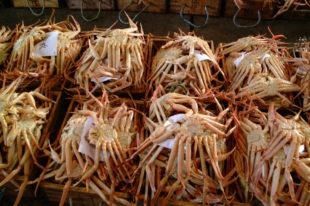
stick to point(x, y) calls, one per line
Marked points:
point(257, 139)
point(111, 127)
point(246, 44)
point(114, 59)
point(263, 86)
point(177, 119)
point(287, 134)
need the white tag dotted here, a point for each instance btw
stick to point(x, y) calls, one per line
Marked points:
point(264, 57)
point(168, 143)
point(84, 146)
point(173, 119)
point(201, 56)
point(48, 46)
point(239, 59)
point(301, 148)
point(104, 79)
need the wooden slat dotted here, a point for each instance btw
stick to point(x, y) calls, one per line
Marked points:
point(91, 4)
point(196, 7)
point(158, 6)
point(36, 3)
point(78, 195)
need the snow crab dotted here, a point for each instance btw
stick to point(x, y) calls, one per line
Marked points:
point(183, 60)
point(263, 86)
point(25, 59)
point(189, 133)
point(115, 59)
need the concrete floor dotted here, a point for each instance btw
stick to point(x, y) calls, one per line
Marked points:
point(218, 29)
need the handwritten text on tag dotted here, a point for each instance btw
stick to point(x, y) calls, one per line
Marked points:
point(48, 46)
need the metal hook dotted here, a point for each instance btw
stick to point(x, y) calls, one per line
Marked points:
point(190, 23)
point(99, 10)
point(237, 25)
point(121, 11)
point(43, 7)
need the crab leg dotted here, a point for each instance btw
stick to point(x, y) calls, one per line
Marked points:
point(65, 192)
point(204, 171)
point(17, 170)
point(24, 184)
point(148, 167)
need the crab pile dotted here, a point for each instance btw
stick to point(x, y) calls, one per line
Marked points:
point(265, 86)
point(113, 58)
point(42, 50)
point(96, 138)
point(22, 117)
point(186, 60)
point(211, 120)
point(183, 156)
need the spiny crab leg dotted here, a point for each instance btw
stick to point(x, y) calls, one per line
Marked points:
point(148, 167)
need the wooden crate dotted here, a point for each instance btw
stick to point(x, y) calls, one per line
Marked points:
point(36, 3)
point(51, 126)
point(154, 43)
point(250, 9)
point(157, 6)
point(79, 195)
point(91, 4)
point(196, 7)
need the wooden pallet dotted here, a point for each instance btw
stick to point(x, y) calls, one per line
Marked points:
point(157, 6)
point(196, 7)
point(36, 3)
point(91, 4)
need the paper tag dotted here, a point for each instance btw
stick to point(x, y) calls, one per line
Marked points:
point(168, 143)
point(201, 56)
point(84, 146)
point(173, 119)
point(48, 46)
point(239, 59)
point(264, 57)
point(301, 148)
point(104, 79)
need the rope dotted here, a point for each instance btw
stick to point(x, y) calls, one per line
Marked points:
point(42, 11)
